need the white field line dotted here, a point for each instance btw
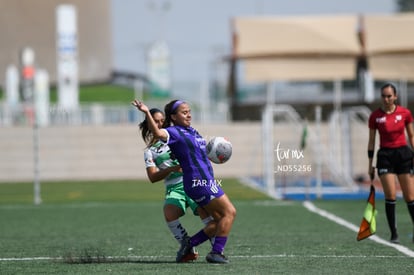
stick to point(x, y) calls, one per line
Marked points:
point(30, 259)
point(91, 258)
point(137, 258)
point(307, 204)
point(311, 207)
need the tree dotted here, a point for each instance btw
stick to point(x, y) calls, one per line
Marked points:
point(405, 5)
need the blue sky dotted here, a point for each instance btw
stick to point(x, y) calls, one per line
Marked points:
point(198, 31)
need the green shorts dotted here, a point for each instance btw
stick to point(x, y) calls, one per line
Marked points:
point(175, 195)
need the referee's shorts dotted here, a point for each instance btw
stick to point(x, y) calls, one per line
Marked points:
point(395, 161)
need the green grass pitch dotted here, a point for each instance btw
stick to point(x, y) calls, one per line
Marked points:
point(117, 227)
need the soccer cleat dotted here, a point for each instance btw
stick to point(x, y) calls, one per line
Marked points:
point(192, 256)
point(185, 251)
point(394, 239)
point(216, 258)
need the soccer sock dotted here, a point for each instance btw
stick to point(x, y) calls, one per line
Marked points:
point(177, 230)
point(410, 206)
point(390, 213)
point(207, 220)
point(199, 238)
point(219, 244)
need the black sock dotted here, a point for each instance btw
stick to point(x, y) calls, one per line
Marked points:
point(410, 206)
point(390, 213)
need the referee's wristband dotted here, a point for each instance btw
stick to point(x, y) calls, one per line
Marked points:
point(370, 154)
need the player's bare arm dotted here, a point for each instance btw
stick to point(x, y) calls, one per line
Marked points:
point(160, 134)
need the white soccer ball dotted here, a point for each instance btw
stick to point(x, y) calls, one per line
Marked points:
point(219, 150)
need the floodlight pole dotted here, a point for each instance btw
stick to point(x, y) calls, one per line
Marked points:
point(36, 183)
point(29, 94)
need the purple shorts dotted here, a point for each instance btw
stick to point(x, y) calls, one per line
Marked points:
point(203, 191)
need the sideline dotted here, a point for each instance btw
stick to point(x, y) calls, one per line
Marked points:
point(109, 259)
point(311, 207)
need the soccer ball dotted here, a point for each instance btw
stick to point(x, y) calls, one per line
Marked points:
point(219, 150)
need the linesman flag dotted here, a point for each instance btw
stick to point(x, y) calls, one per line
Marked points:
point(368, 225)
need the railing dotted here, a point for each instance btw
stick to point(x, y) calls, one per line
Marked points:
point(99, 114)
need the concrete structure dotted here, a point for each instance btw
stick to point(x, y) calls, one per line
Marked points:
point(116, 152)
point(33, 24)
point(109, 152)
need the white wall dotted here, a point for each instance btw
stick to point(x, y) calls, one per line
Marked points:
point(108, 152)
point(116, 152)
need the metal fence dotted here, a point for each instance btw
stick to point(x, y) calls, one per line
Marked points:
point(101, 114)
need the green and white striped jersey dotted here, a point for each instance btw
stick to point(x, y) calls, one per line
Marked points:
point(159, 155)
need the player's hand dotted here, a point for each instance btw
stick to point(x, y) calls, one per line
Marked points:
point(177, 168)
point(140, 105)
point(371, 173)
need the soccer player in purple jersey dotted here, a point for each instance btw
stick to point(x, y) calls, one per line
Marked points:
point(198, 177)
point(160, 165)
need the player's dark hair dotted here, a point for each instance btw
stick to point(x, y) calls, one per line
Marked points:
point(389, 85)
point(170, 109)
point(145, 131)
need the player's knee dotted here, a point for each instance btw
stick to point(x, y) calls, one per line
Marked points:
point(231, 212)
point(172, 212)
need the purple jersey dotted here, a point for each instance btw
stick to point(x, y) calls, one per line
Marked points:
point(189, 148)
